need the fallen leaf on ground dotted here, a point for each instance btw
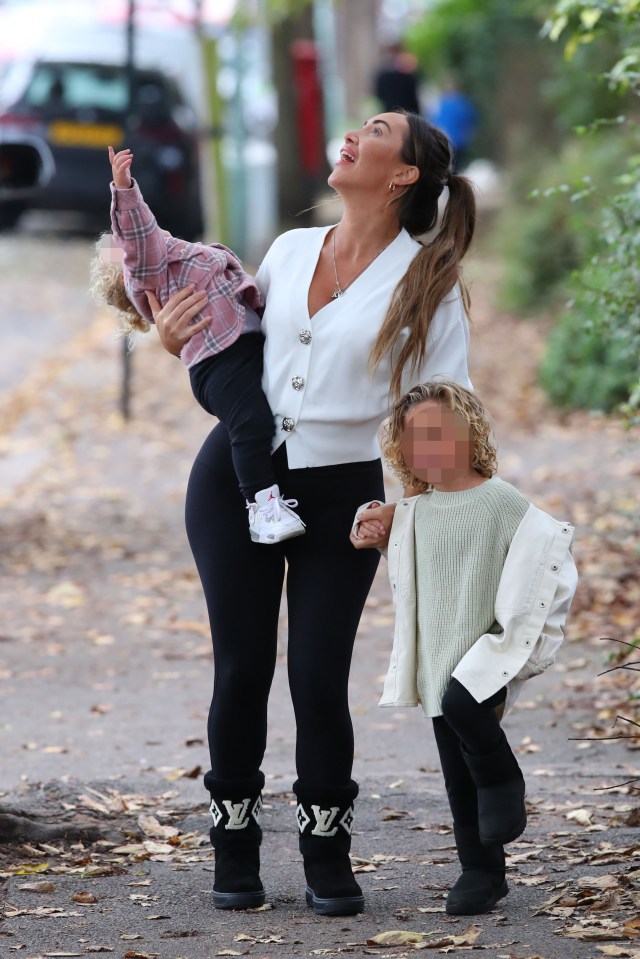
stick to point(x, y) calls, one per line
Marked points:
point(86, 898)
point(466, 938)
point(599, 882)
point(621, 952)
point(582, 816)
point(28, 869)
point(37, 886)
point(592, 933)
point(154, 829)
point(397, 937)
point(245, 937)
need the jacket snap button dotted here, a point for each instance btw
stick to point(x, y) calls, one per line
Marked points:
point(527, 642)
point(554, 567)
point(504, 672)
point(542, 604)
point(297, 382)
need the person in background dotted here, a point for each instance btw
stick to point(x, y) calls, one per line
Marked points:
point(457, 116)
point(396, 82)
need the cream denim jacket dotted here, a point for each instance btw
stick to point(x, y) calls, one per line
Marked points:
point(537, 585)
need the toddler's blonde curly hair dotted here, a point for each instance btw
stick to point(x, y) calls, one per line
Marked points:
point(460, 401)
point(107, 287)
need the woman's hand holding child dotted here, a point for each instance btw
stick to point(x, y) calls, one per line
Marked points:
point(174, 320)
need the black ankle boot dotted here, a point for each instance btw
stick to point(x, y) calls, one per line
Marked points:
point(502, 815)
point(236, 836)
point(482, 882)
point(325, 819)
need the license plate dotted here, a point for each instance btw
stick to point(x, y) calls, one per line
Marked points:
point(70, 134)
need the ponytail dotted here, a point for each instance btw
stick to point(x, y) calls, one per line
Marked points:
point(435, 270)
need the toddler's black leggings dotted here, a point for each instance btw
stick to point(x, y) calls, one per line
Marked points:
point(475, 726)
point(229, 386)
point(327, 584)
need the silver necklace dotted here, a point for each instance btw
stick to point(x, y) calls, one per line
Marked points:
point(341, 290)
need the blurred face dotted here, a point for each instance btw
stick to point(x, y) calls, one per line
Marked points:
point(370, 157)
point(109, 251)
point(436, 444)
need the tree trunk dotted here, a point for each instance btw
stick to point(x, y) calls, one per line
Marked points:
point(19, 826)
point(296, 191)
point(358, 53)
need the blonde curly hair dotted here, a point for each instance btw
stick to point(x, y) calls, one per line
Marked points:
point(460, 401)
point(107, 287)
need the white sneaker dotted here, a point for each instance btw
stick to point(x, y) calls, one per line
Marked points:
point(271, 518)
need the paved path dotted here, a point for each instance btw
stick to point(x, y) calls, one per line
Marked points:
point(105, 674)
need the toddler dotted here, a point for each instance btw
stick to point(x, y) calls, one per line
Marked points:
point(482, 582)
point(224, 359)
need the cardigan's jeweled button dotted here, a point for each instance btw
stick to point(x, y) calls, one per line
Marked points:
point(305, 336)
point(297, 382)
point(288, 424)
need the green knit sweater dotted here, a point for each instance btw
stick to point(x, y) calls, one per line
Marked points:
point(462, 540)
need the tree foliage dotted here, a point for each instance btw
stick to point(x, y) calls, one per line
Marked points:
point(607, 289)
point(482, 44)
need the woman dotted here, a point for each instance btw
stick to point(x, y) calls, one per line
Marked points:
point(354, 314)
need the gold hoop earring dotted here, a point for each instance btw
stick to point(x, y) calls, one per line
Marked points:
point(392, 187)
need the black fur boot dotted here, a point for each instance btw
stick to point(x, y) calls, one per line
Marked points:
point(236, 836)
point(502, 815)
point(325, 819)
point(482, 882)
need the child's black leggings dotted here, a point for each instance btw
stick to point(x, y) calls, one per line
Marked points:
point(229, 386)
point(476, 727)
point(327, 584)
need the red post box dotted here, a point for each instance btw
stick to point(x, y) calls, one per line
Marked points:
point(309, 115)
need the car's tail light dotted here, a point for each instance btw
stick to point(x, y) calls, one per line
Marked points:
point(18, 121)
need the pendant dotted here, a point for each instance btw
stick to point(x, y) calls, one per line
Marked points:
point(338, 292)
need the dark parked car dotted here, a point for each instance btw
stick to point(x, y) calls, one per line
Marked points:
point(77, 110)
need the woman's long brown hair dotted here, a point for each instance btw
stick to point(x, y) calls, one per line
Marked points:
point(435, 269)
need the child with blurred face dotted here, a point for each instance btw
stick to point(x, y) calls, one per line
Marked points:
point(139, 264)
point(482, 582)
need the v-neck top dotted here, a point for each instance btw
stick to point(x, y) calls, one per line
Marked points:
point(326, 404)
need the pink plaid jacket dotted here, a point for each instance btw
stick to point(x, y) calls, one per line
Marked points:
point(166, 264)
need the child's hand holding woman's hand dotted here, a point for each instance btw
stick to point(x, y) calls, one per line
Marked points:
point(373, 527)
point(121, 168)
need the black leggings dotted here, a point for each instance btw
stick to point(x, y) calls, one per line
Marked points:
point(475, 726)
point(327, 585)
point(229, 386)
